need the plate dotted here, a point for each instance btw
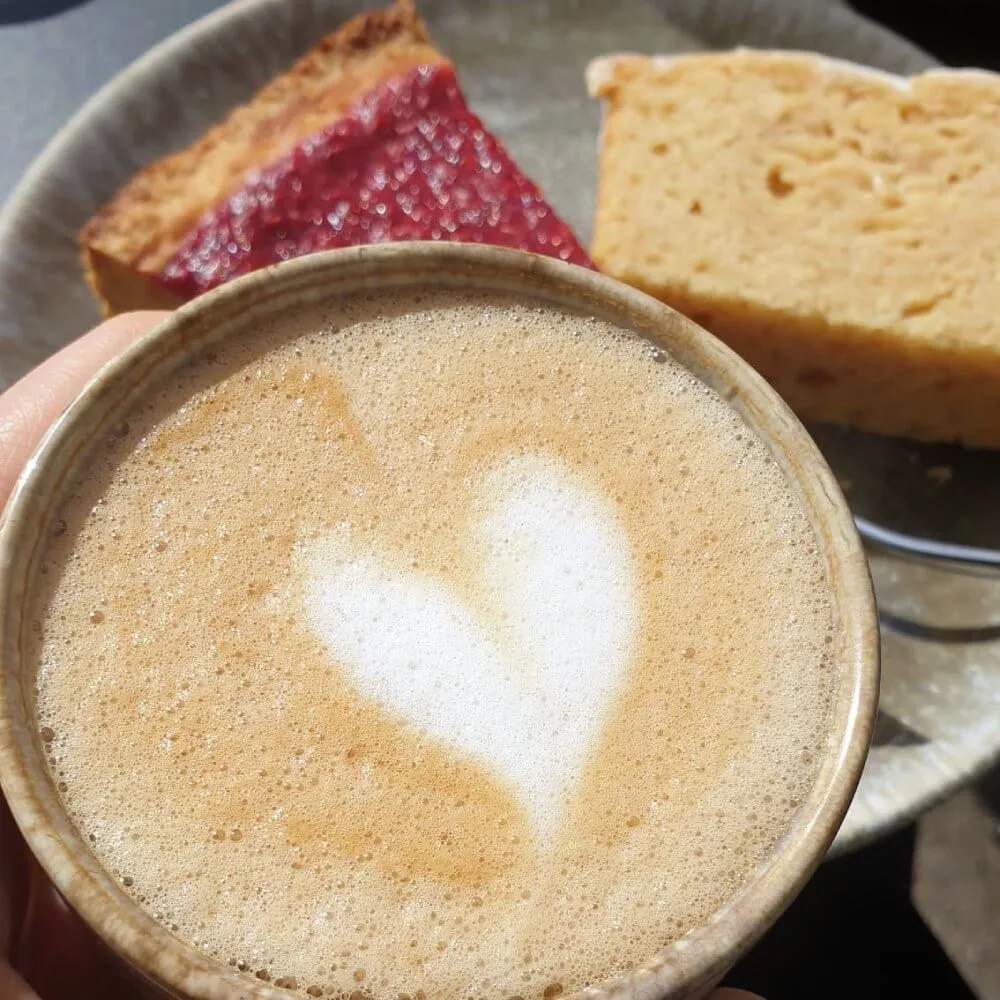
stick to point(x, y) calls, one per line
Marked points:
point(521, 65)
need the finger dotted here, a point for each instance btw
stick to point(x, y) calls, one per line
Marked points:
point(15, 866)
point(28, 408)
point(86, 969)
point(12, 986)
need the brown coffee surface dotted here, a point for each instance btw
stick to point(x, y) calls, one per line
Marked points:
point(439, 645)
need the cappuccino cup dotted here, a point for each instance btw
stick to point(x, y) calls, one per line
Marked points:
point(431, 621)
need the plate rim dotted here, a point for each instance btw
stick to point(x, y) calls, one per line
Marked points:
point(815, 18)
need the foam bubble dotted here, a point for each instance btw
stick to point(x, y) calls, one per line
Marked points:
point(433, 646)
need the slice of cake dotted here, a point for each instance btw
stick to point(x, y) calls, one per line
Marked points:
point(837, 226)
point(366, 139)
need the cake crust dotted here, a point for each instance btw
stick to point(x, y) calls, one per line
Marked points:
point(135, 234)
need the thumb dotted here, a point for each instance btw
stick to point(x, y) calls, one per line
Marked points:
point(29, 407)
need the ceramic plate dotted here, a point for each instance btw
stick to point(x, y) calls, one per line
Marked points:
point(521, 64)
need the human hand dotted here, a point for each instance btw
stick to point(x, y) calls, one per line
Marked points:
point(43, 939)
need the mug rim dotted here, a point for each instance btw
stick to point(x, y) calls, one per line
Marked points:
point(690, 963)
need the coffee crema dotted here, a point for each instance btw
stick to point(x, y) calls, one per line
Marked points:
point(441, 644)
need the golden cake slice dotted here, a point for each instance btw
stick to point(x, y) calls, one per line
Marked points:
point(836, 225)
point(133, 237)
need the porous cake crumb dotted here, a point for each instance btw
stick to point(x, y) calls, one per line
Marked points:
point(836, 225)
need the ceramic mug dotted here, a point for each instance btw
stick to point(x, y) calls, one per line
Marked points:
point(689, 966)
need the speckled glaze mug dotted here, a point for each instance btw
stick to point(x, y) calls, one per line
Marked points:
point(691, 965)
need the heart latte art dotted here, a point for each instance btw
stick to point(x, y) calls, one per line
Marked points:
point(522, 677)
point(437, 646)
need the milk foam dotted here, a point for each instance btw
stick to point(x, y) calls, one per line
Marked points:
point(616, 591)
point(526, 694)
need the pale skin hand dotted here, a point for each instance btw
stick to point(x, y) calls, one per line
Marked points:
point(26, 411)
point(12, 986)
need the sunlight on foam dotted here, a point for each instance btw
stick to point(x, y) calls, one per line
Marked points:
point(528, 697)
point(364, 447)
